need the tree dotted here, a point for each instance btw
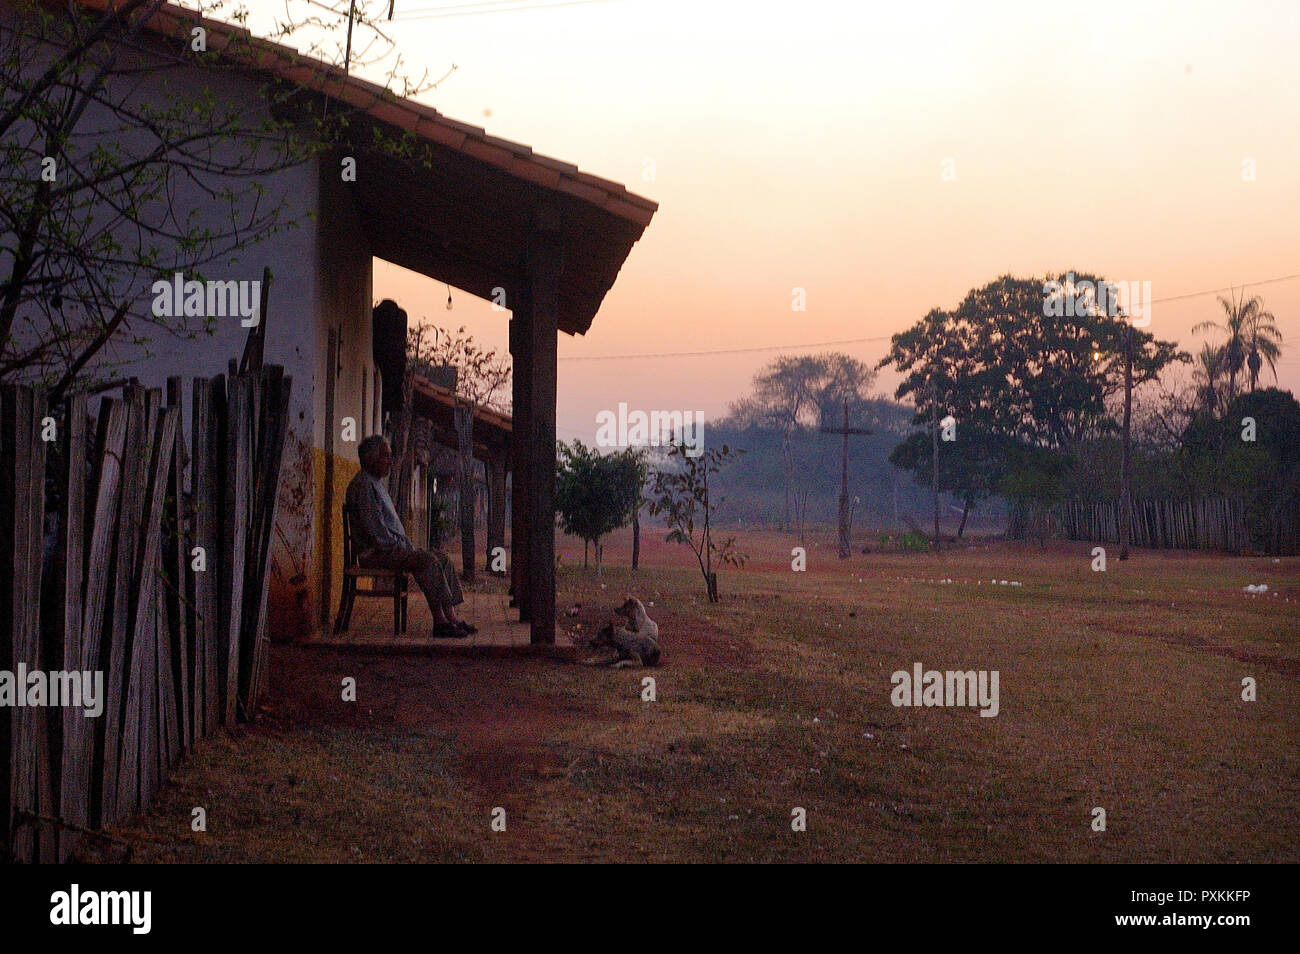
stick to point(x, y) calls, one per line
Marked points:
point(1263, 344)
point(1253, 337)
point(794, 391)
point(680, 492)
point(755, 483)
point(482, 374)
point(1035, 480)
point(595, 494)
point(93, 174)
point(1211, 365)
point(971, 467)
point(1262, 470)
point(1015, 373)
point(642, 472)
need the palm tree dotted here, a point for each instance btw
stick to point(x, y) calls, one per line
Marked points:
point(1210, 366)
point(1247, 326)
point(1263, 342)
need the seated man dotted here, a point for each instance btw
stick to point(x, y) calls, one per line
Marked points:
point(381, 542)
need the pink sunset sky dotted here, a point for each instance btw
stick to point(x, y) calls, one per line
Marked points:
point(805, 145)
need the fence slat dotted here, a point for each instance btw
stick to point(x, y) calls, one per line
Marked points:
point(168, 713)
point(1205, 523)
point(75, 739)
point(134, 643)
point(22, 506)
point(181, 652)
point(141, 722)
point(117, 676)
point(177, 594)
point(215, 530)
point(273, 431)
point(235, 514)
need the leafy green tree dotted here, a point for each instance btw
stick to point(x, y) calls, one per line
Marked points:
point(680, 493)
point(971, 467)
point(1016, 375)
point(1263, 471)
point(596, 494)
point(1035, 480)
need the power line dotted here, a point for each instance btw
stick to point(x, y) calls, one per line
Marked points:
point(702, 354)
point(1230, 288)
point(848, 341)
point(488, 6)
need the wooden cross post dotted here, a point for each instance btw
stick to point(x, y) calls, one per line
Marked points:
point(845, 546)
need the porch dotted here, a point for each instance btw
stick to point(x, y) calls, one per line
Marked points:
point(487, 606)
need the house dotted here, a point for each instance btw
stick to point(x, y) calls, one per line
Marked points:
point(481, 213)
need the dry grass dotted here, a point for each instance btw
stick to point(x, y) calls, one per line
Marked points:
point(1118, 689)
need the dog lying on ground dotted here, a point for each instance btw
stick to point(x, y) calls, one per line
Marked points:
point(634, 638)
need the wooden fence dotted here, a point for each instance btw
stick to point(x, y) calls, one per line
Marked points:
point(113, 562)
point(1212, 523)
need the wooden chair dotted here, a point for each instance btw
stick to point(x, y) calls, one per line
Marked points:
point(396, 589)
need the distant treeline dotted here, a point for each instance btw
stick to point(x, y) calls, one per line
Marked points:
point(1032, 405)
point(756, 490)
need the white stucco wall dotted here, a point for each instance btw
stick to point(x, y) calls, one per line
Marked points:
point(320, 260)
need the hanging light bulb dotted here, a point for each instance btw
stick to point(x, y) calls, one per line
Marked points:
point(449, 298)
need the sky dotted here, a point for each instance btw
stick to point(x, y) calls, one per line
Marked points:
point(885, 158)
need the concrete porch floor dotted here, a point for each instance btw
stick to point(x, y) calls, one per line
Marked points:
point(487, 606)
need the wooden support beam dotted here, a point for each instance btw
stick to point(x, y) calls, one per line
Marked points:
point(545, 265)
point(496, 529)
point(521, 386)
point(464, 418)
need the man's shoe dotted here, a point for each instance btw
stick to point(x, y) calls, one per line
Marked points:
point(448, 631)
point(468, 628)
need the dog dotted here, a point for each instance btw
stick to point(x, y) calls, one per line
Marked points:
point(634, 638)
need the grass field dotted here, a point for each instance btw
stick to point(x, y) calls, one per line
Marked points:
point(1120, 690)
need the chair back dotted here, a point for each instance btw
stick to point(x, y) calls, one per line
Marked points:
point(349, 558)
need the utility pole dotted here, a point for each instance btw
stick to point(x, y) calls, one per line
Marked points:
point(845, 545)
point(934, 466)
point(1124, 503)
point(347, 55)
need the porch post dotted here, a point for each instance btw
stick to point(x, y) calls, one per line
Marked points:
point(496, 479)
point(544, 266)
point(520, 448)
